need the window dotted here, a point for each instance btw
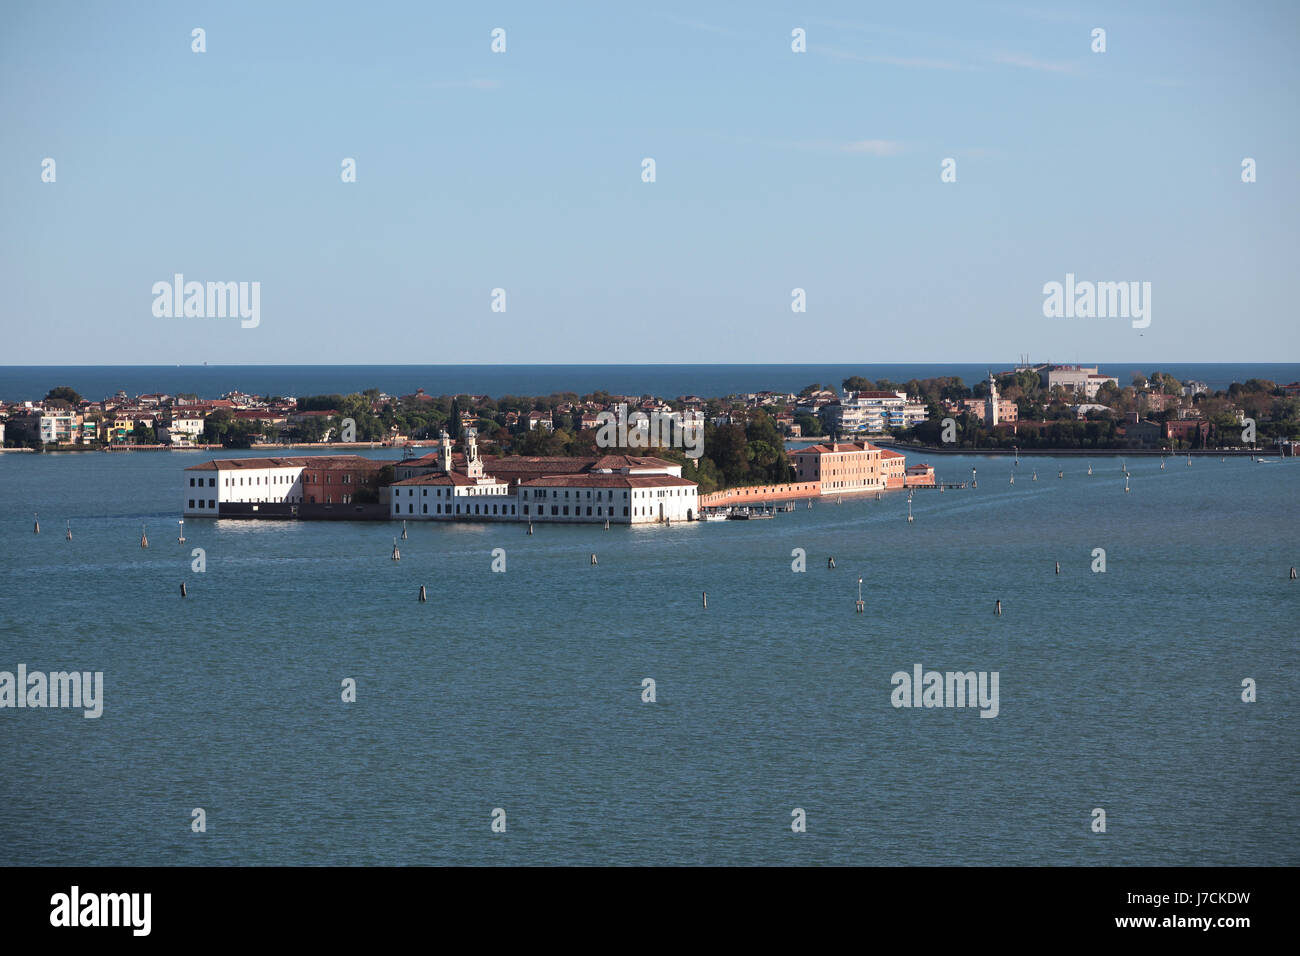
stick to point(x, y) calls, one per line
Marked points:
point(625, 512)
point(200, 502)
point(191, 502)
point(424, 509)
point(555, 510)
point(191, 482)
point(211, 503)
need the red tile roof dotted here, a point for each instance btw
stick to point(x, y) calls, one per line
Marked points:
point(313, 461)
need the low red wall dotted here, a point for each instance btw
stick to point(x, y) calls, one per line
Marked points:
point(757, 494)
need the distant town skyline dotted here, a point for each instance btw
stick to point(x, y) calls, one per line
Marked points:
point(524, 171)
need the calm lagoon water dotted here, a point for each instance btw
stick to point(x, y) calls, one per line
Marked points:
point(522, 690)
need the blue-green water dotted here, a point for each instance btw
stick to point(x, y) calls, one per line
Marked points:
point(522, 690)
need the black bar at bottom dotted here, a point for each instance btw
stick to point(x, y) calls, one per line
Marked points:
point(335, 905)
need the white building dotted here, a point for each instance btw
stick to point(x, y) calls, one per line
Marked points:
point(253, 480)
point(449, 493)
point(616, 498)
point(1084, 380)
point(181, 430)
point(621, 489)
point(871, 412)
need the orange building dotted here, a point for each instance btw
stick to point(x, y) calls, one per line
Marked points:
point(843, 467)
point(894, 465)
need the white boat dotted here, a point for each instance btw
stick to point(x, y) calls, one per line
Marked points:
point(715, 516)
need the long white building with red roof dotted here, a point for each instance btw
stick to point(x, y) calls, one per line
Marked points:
point(620, 489)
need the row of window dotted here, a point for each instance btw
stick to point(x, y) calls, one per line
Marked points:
point(212, 482)
point(437, 509)
point(601, 511)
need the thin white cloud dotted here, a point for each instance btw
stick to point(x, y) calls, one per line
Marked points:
point(468, 85)
point(702, 26)
point(908, 62)
point(873, 147)
point(1029, 63)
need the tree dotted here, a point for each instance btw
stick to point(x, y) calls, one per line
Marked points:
point(63, 393)
point(809, 425)
point(453, 420)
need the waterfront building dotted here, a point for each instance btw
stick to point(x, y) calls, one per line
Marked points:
point(1144, 431)
point(277, 487)
point(1187, 430)
point(51, 426)
point(893, 467)
point(181, 430)
point(621, 489)
point(920, 475)
point(841, 467)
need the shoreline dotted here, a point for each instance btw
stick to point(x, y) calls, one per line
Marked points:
point(1081, 452)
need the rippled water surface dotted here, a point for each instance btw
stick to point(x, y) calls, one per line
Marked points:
point(522, 690)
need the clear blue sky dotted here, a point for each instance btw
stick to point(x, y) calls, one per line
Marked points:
point(522, 170)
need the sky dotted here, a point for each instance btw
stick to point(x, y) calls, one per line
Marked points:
point(522, 170)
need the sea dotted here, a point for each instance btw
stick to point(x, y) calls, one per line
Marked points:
point(1153, 678)
point(30, 382)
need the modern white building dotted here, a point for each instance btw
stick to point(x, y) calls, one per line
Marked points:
point(873, 411)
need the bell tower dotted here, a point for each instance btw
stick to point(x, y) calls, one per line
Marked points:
point(473, 464)
point(444, 452)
